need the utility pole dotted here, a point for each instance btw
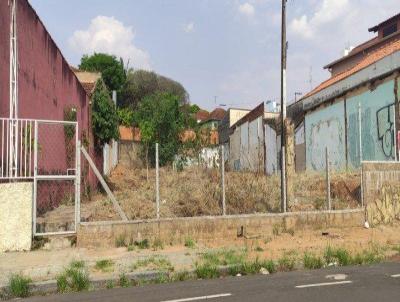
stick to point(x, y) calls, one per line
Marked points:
point(283, 110)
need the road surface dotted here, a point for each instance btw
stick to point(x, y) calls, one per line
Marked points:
point(376, 283)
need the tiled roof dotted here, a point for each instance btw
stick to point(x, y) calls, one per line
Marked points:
point(202, 115)
point(369, 59)
point(89, 87)
point(217, 114)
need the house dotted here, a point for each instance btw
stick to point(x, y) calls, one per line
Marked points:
point(355, 113)
point(253, 142)
point(230, 118)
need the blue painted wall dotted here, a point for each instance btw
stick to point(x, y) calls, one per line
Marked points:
point(377, 125)
point(325, 128)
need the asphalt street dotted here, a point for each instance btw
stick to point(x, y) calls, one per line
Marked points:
point(376, 283)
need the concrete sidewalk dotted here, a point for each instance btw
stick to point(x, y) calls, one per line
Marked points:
point(42, 265)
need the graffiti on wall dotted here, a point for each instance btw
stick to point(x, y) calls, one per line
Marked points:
point(385, 127)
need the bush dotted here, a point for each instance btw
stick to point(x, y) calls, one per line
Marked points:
point(124, 281)
point(73, 279)
point(19, 286)
point(270, 266)
point(142, 244)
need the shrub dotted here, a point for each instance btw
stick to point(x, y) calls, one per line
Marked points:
point(124, 281)
point(19, 286)
point(110, 284)
point(73, 279)
point(343, 257)
point(312, 261)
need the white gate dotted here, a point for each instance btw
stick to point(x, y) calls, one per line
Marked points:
point(47, 153)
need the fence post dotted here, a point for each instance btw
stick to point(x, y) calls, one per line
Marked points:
point(157, 184)
point(78, 184)
point(328, 180)
point(361, 155)
point(223, 179)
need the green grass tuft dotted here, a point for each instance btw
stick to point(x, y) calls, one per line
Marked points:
point(19, 286)
point(104, 265)
point(74, 279)
point(312, 261)
point(124, 281)
point(190, 243)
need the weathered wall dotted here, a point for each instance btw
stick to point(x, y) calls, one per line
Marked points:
point(271, 161)
point(300, 148)
point(325, 127)
point(381, 185)
point(15, 216)
point(4, 58)
point(46, 85)
point(247, 146)
point(129, 154)
point(377, 125)
point(104, 234)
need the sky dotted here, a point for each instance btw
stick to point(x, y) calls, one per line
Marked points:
point(224, 52)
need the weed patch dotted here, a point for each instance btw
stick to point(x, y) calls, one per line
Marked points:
point(190, 243)
point(74, 279)
point(153, 263)
point(124, 281)
point(104, 265)
point(19, 286)
point(312, 261)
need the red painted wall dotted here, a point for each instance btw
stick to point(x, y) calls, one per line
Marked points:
point(46, 86)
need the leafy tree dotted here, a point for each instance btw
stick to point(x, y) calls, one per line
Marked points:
point(160, 121)
point(194, 108)
point(104, 115)
point(142, 83)
point(112, 69)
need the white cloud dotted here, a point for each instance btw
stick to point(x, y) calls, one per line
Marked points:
point(188, 28)
point(107, 34)
point(247, 9)
point(328, 12)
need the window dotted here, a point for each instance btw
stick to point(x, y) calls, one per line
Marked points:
point(390, 29)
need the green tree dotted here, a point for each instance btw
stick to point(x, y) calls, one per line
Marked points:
point(160, 121)
point(104, 115)
point(112, 69)
point(142, 83)
point(125, 116)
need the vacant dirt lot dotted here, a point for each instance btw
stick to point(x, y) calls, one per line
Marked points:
point(197, 191)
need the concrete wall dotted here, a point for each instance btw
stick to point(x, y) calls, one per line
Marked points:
point(129, 154)
point(110, 157)
point(300, 148)
point(377, 125)
point(325, 127)
point(104, 234)
point(381, 185)
point(271, 160)
point(16, 216)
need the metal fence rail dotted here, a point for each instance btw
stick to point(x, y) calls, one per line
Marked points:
point(17, 147)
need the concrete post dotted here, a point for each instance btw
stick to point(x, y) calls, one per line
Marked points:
point(157, 184)
point(328, 180)
point(223, 179)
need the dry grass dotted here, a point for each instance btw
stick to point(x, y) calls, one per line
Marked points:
point(197, 192)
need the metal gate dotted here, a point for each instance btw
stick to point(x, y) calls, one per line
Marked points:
point(47, 153)
point(56, 178)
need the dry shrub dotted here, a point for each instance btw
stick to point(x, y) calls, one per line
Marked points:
point(196, 191)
